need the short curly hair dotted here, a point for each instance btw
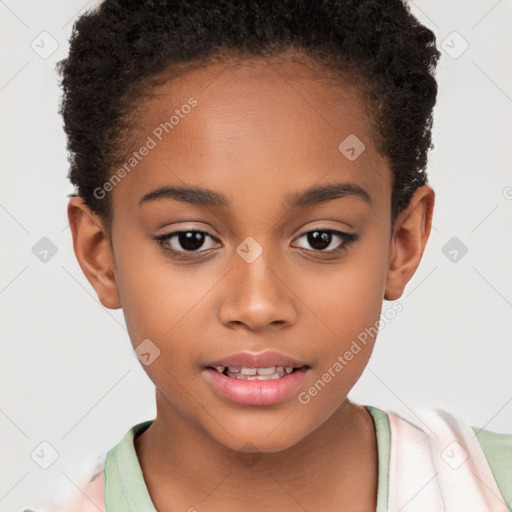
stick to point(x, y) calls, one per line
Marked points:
point(121, 48)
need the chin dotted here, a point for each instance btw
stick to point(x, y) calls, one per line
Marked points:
point(260, 436)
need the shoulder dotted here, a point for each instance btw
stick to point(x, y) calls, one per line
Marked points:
point(429, 431)
point(120, 460)
point(498, 452)
point(88, 498)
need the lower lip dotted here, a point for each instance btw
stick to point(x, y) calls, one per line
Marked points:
point(256, 392)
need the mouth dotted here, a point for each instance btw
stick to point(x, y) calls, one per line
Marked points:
point(264, 378)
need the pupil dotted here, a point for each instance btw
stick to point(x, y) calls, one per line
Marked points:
point(191, 240)
point(319, 239)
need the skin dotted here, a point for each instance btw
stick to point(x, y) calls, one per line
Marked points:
point(259, 132)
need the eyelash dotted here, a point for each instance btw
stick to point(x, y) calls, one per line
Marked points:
point(348, 240)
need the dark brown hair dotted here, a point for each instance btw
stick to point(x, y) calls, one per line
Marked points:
point(117, 50)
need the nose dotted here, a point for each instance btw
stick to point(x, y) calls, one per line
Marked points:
point(257, 295)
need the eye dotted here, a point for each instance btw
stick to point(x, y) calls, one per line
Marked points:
point(189, 240)
point(321, 239)
point(182, 243)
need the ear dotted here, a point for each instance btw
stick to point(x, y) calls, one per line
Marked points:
point(410, 234)
point(93, 251)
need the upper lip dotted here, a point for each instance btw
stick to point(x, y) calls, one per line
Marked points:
point(256, 360)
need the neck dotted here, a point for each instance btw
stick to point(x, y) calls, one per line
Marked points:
point(334, 465)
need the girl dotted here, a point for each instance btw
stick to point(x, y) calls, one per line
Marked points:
point(250, 186)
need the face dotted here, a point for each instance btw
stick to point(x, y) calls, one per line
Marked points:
point(203, 277)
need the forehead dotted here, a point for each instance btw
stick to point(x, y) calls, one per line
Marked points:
point(280, 126)
point(235, 99)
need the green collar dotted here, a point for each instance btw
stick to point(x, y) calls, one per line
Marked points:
point(125, 488)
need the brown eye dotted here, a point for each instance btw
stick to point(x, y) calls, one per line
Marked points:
point(184, 241)
point(190, 240)
point(321, 239)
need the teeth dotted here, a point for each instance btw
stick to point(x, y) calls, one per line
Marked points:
point(269, 377)
point(268, 371)
point(249, 373)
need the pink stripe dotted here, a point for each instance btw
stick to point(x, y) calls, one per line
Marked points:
point(91, 499)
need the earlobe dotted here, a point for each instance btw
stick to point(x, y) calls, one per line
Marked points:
point(93, 252)
point(411, 233)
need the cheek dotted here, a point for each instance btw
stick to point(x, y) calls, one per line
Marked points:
point(348, 298)
point(156, 295)
point(349, 305)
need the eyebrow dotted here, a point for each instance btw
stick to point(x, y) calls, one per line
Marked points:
point(199, 196)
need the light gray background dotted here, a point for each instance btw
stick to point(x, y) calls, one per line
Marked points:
point(68, 375)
